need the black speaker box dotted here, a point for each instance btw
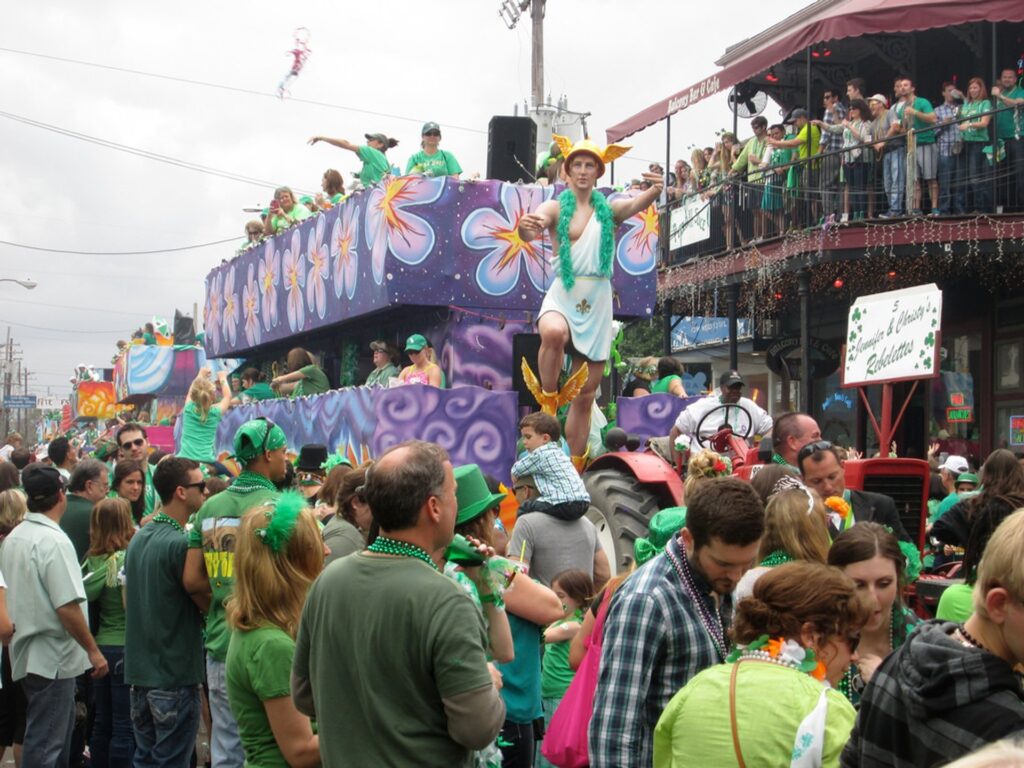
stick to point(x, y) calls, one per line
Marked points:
point(511, 148)
point(524, 345)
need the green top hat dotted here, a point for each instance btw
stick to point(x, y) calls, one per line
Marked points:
point(660, 530)
point(473, 495)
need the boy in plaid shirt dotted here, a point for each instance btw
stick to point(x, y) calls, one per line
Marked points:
point(562, 492)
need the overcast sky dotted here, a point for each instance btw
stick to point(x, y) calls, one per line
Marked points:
point(452, 61)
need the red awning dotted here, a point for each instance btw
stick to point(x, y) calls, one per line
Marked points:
point(847, 18)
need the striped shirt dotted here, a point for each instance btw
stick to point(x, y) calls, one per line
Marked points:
point(556, 477)
point(654, 643)
point(832, 141)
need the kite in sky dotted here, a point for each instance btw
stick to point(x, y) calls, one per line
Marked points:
point(299, 53)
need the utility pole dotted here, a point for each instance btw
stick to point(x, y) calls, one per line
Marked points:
point(537, 58)
point(8, 357)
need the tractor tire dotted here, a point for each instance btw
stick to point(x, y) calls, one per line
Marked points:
point(620, 509)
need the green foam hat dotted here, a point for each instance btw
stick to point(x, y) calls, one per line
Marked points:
point(473, 495)
point(660, 530)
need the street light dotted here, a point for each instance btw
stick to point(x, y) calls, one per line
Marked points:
point(30, 284)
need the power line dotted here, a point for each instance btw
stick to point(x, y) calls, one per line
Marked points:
point(81, 309)
point(140, 152)
point(120, 253)
point(234, 89)
point(58, 330)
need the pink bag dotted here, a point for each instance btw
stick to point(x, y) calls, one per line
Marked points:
point(565, 744)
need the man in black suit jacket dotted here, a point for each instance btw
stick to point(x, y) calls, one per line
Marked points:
point(823, 471)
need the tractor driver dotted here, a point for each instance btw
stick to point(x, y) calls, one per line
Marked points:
point(748, 417)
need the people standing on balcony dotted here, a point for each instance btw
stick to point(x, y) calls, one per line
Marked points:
point(576, 313)
point(423, 369)
point(856, 132)
point(749, 162)
point(831, 141)
point(375, 164)
point(975, 134)
point(431, 160)
point(700, 173)
point(773, 203)
point(895, 157)
point(951, 152)
point(806, 142)
point(1010, 128)
point(284, 212)
point(727, 189)
point(333, 186)
point(856, 88)
point(879, 107)
point(916, 114)
point(304, 376)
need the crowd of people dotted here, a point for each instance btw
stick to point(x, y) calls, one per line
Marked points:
point(383, 614)
point(852, 163)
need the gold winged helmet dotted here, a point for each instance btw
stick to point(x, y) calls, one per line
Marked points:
point(604, 156)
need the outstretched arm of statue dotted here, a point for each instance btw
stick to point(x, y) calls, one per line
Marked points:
point(625, 207)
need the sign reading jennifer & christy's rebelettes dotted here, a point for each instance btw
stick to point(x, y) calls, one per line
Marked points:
point(893, 336)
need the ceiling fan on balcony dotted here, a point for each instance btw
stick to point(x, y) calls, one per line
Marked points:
point(747, 100)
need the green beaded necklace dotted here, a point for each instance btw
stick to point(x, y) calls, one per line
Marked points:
point(161, 517)
point(384, 546)
point(247, 482)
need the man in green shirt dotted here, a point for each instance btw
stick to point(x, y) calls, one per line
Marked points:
point(89, 483)
point(384, 367)
point(164, 627)
point(261, 447)
point(133, 443)
point(390, 655)
point(1010, 128)
point(749, 162)
point(807, 143)
point(917, 114)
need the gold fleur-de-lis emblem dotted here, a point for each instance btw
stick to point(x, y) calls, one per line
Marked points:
point(583, 307)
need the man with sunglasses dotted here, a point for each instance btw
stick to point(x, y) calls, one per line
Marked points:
point(261, 447)
point(133, 443)
point(715, 412)
point(823, 471)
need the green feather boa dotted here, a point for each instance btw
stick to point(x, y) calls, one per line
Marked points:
point(603, 211)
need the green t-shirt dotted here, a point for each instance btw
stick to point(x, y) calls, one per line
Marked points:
point(662, 385)
point(440, 163)
point(314, 382)
point(298, 213)
point(803, 151)
point(214, 530)
point(163, 636)
point(198, 437)
point(1005, 128)
point(971, 109)
point(103, 591)
point(380, 376)
point(375, 165)
point(956, 603)
point(259, 667)
point(419, 640)
point(259, 391)
point(924, 106)
point(944, 506)
point(555, 673)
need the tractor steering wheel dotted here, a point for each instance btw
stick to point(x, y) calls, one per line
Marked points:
point(704, 442)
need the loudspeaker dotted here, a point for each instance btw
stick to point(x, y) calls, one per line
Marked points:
point(524, 345)
point(184, 329)
point(511, 148)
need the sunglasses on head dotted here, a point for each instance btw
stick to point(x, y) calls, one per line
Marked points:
point(266, 435)
point(812, 448)
point(136, 443)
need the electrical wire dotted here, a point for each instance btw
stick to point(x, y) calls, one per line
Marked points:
point(234, 89)
point(139, 152)
point(58, 330)
point(81, 309)
point(119, 253)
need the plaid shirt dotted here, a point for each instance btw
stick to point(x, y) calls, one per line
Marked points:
point(947, 136)
point(556, 477)
point(654, 643)
point(832, 141)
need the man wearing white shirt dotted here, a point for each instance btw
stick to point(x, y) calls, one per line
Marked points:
point(748, 417)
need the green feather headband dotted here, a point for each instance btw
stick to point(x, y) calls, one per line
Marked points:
point(605, 217)
point(282, 517)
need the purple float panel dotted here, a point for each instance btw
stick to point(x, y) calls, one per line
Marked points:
point(474, 425)
point(409, 241)
point(651, 415)
point(477, 349)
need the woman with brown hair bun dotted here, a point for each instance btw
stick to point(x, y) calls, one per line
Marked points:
point(346, 532)
point(304, 376)
point(771, 702)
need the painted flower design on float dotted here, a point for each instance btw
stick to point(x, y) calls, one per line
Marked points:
point(251, 308)
point(344, 250)
point(390, 226)
point(637, 248)
point(294, 270)
point(229, 323)
point(318, 256)
point(270, 276)
point(487, 229)
point(211, 319)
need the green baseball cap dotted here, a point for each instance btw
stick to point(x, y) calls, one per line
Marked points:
point(416, 342)
point(966, 477)
point(256, 437)
point(472, 493)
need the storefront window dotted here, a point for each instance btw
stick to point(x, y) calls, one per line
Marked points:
point(954, 422)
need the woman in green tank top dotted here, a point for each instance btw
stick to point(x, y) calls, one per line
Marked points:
point(670, 380)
